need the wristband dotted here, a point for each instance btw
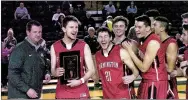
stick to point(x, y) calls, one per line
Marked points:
point(82, 80)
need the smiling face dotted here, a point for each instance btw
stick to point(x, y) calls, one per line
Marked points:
point(71, 30)
point(104, 39)
point(140, 29)
point(119, 28)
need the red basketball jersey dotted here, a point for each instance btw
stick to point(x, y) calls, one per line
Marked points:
point(173, 92)
point(185, 56)
point(157, 70)
point(63, 91)
point(166, 42)
point(111, 71)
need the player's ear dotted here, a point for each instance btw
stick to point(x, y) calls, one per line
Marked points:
point(148, 28)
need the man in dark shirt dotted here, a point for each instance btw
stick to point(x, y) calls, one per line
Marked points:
point(27, 65)
point(91, 40)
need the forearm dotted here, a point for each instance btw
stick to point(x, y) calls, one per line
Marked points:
point(135, 46)
point(135, 72)
point(137, 61)
point(53, 72)
point(171, 66)
point(95, 78)
point(170, 69)
point(88, 75)
point(15, 16)
point(24, 15)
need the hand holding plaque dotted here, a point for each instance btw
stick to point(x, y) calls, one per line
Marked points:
point(70, 61)
point(59, 72)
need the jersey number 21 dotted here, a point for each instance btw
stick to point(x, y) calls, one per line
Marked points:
point(108, 76)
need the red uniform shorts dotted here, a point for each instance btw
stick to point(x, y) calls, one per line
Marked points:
point(149, 89)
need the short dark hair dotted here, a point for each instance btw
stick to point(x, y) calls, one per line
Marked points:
point(164, 22)
point(104, 29)
point(185, 26)
point(68, 19)
point(121, 18)
point(145, 19)
point(152, 13)
point(184, 15)
point(31, 23)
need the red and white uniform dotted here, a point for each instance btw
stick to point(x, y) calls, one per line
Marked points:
point(172, 90)
point(185, 57)
point(63, 91)
point(154, 83)
point(111, 71)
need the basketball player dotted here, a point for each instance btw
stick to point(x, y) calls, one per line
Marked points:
point(110, 62)
point(169, 45)
point(76, 89)
point(151, 62)
point(152, 14)
point(183, 70)
point(120, 25)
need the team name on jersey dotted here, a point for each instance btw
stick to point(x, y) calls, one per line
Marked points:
point(108, 64)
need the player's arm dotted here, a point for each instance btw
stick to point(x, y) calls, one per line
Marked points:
point(95, 76)
point(182, 71)
point(180, 57)
point(135, 46)
point(172, 52)
point(89, 66)
point(150, 54)
point(185, 71)
point(125, 57)
point(184, 67)
point(55, 71)
point(89, 63)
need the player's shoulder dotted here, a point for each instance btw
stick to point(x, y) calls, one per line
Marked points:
point(57, 42)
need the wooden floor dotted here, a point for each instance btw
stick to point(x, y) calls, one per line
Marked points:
point(95, 92)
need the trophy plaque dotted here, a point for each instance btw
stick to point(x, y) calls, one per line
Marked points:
point(70, 61)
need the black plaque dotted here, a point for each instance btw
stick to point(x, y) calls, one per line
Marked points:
point(70, 61)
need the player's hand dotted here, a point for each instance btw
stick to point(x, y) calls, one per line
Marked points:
point(128, 79)
point(177, 72)
point(60, 72)
point(32, 93)
point(47, 78)
point(183, 63)
point(173, 73)
point(128, 46)
point(74, 83)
